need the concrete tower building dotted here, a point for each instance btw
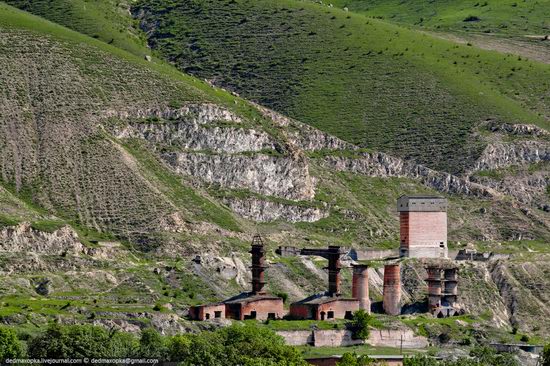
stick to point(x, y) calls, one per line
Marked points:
point(423, 226)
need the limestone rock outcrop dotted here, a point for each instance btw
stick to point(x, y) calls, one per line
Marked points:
point(286, 177)
point(266, 211)
point(24, 238)
point(501, 155)
point(383, 165)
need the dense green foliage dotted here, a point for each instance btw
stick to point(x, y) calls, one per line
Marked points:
point(360, 324)
point(236, 345)
point(77, 341)
point(545, 356)
point(351, 359)
point(241, 345)
point(10, 346)
point(480, 356)
point(491, 16)
point(364, 80)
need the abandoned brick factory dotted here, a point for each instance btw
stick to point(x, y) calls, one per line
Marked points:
point(423, 234)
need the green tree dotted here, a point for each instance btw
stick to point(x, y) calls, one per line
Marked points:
point(248, 345)
point(10, 347)
point(179, 348)
point(351, 359)
point(122, 345)
point(152, 345)
point(360, 324)
point(545, 356)
point(71, 341)
point(420, 361)
point(79, 341)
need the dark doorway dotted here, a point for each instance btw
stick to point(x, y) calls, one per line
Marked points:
point(322, 315)
point(207, 315)
point(330, 315)
point(251, 316)
point(349, 315)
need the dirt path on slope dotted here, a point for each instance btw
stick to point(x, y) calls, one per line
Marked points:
point(533, 48)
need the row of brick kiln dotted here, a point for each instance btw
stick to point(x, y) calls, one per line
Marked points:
point(423, 234)
point(258, 304)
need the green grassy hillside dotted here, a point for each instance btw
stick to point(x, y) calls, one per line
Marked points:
point(369, 82)
point(67, 102)
point(508, 17)
point(106, 20)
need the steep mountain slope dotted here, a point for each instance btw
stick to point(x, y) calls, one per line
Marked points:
point(118, 172)
point(497, 16)
point(371, 83)
point(107, 20)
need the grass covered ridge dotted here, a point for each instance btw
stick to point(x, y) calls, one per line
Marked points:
point(369, 82)
point(488, 16)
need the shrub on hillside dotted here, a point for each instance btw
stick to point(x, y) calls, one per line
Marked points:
point(545, 356)
point(360, 324)
point(10, 347)
point(351, 359)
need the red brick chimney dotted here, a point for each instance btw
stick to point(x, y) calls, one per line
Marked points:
point(360, 286)
point(392, 289)
point(258, 265)
point(334, 266)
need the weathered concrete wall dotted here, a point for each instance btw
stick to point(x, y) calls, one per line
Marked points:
point(297, 337)
point(371, 254)
point(337, 338)
point(334, 338)
point(392, 338)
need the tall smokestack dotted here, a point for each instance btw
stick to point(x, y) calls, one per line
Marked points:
point(334, 267)
point(258, 265)
point(360, 286)
point(392, 289)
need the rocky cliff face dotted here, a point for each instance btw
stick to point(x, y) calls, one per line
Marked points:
point(383, 165)
point(501, 155)
point(192, 136)
point(285, 177)
point(24, 238)
point(195, 113)
point(268, 211)
point(522, 286)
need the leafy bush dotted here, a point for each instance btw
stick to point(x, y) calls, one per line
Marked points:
point(360, 324)
point(545, 356)
point(152, 345)
point(10, 347)
point(231, 346)
point(351, 359)
point(79, 341)
point(241, 345)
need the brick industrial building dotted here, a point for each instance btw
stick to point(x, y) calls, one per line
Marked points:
point(249, 305)
point(423, 226)
point(332, 305)
point(423, 234)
